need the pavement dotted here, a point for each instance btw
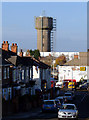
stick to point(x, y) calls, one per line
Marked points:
point(23, 115)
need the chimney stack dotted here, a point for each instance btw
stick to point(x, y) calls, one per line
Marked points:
point(75, 56)
point(21, 53)
point(5, 45)
point(14, 48)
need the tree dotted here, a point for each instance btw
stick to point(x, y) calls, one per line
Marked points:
point(36, 54)
point(60, 60)
point(33, 53)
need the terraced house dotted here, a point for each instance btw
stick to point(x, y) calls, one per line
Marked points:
point(18, 84)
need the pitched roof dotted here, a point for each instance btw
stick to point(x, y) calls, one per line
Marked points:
point(82, 61)
point(13, 58)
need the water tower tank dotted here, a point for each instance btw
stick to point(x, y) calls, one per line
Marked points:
point(44, 25)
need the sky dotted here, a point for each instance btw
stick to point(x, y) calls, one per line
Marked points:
point(18, 24)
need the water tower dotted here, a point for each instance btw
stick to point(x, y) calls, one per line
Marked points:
point(44, 25)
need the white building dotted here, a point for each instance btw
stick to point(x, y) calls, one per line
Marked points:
point(42, 77)
point(73, 72)
point(77, 68)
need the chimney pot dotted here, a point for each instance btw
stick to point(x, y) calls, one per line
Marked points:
point(15, 44)
point(21, 50)
point(6, 42)
point(14, 48)
point(3, 41)
point(75, 56)
point(12, 44)
point(21, 53)
point(5, 45)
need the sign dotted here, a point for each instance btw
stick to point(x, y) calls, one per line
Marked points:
point(82, 68)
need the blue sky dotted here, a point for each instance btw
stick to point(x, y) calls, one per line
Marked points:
point(19, 24)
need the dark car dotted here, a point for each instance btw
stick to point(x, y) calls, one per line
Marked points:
point(49, 105)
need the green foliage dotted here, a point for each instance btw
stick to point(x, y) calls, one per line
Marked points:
point(33, 53)
point(60, 60)
point(36, 54)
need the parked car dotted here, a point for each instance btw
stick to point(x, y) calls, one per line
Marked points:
point(83, 86)
point(59, 85)
point(49, 105)
point(68, 111)
point(61, 98)
point(58, 103)
point(71, 85)
point(68, 96)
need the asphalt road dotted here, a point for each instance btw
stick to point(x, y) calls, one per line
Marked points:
point(81, 100)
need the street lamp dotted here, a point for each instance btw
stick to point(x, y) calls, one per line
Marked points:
point(72, 78)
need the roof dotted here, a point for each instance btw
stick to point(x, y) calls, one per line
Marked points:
point(17, 60)
point(82, 61)
point(9, 57)
point(40, 64)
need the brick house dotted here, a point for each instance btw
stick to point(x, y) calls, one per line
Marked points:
point(18, 83)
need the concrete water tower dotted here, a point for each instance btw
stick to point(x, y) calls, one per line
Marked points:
point(44, 25)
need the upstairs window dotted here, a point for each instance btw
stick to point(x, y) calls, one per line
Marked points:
point(8, 72)
point(14, 75)
point(0, 74)
point(4, 73)
point(22, 74)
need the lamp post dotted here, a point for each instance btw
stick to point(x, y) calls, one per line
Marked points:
point(72, 78)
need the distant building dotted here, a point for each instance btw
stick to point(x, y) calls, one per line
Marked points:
point(44, 25)
point(76, 68)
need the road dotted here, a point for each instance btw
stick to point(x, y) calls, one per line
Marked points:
point(82, 102)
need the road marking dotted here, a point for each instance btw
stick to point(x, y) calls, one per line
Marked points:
point(83, 97)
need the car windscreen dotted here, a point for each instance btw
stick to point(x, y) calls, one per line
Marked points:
point(48, 102)
point(67, 94)
point(67, 107)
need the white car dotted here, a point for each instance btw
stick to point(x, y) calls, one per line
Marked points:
point(68, 111)
point(59, 85)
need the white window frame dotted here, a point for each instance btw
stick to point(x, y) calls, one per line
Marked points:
point(27, 71)
point(8, 70)
point(14, 75)
point(23, 74)
point(0, 74)
point(5, 73)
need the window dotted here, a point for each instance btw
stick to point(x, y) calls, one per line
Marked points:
point(19, 75)
point(8, 72)
point(30, 73)
point(22, 74)
point(0, 74)
point(4, 73)
point(27, 71)
point(14, 75)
